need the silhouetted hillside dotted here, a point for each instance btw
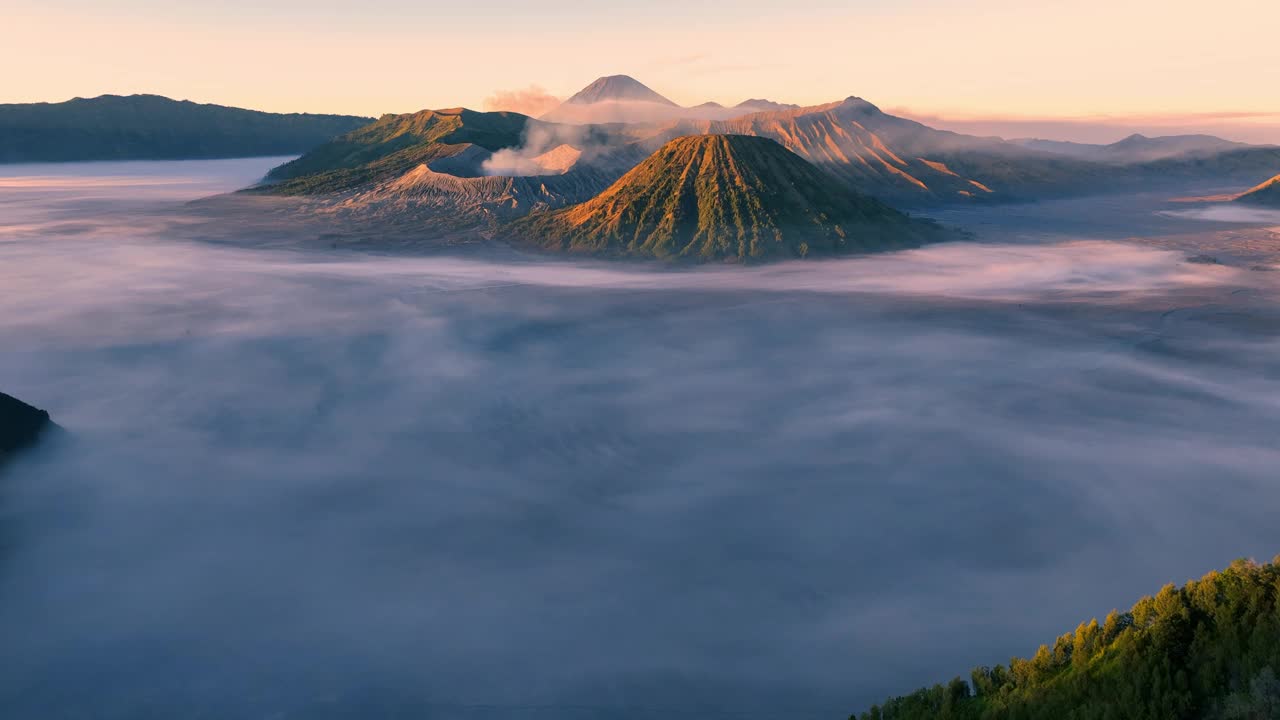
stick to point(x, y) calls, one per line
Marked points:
point(150, 127)
point(21, 426)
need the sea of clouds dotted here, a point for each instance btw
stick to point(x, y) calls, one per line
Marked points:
point(303, 483)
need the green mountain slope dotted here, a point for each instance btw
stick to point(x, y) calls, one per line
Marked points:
point(724, 197)
point(149, 127)
point(397, 143)
point(1268, 194)
point(1210, 649)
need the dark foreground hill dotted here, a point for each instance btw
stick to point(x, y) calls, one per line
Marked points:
point(1210, 649)
point(150, 127)
point(725, 197)
point(21, 426)
point(1266, 194)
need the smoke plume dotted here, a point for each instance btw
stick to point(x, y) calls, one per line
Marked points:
point(533, 101)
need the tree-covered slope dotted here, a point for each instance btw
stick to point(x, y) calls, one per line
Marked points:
point(1210, 649)
point(725, 197)
point(1267, 194)
point(149, 127)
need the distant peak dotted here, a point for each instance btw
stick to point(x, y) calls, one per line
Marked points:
point(761, 104)
point(853, 101)
point(615, 88)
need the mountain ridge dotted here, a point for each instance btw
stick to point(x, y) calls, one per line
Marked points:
point(154, 127)
point(623, 99)
point(724, 197)
point(1266, 193)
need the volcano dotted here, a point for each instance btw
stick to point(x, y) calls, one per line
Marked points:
point(726, 198)
point(617, 87)
point(615, 99)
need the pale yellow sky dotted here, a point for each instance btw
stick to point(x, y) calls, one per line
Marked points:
point(978, 58)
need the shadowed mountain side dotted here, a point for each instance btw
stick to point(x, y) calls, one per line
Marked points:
point(21, 427)
point(725, 197)
point(1242, 165)
point(905, 162)
point(1268, 194)
point(150, 127)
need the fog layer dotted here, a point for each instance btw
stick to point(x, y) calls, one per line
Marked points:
point(316, 484)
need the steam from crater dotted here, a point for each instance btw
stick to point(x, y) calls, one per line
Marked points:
point(533, 101)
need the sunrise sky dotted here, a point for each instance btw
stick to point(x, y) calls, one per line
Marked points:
point(1180, 63)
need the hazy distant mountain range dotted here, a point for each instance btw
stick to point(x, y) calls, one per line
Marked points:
point(1205, 651)
point(150, 127)
point(620, 98)
point(1138, 148)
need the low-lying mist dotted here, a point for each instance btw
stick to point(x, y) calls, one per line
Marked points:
point(1230, 213)
point(306, 483)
